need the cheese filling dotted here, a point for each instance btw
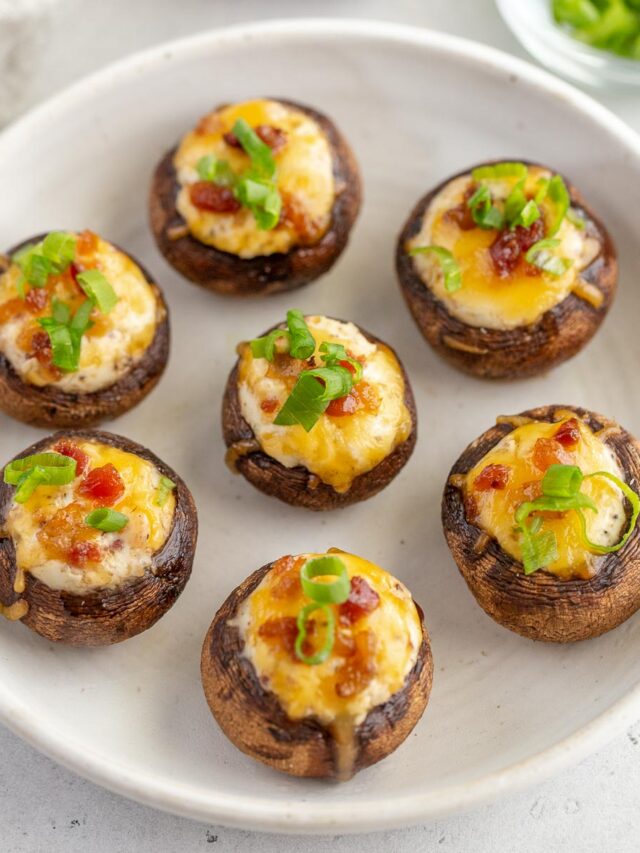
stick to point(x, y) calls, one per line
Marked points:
point(52, 522)
point(394, 633)
point(338, 448)
point(304, 178)
point(485, 299)
point(526, 453)
point(109, 349)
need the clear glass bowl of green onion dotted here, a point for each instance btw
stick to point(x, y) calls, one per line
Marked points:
point(593, 42)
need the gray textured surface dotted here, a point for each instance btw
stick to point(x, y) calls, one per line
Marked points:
point(45, 45)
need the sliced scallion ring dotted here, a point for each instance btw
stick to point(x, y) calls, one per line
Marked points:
point(107, 520)
point(60, 469)
point(448, 264)
point(335, 592)
point(325, 650)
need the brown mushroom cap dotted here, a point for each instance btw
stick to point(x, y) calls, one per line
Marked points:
point(542, 606)
point(228, 274)
point(104, 616)
point(253, 719)
point(48, 406)
point(298, 486)
point(558, 335)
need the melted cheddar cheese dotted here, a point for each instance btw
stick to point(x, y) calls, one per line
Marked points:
point(337, 449)
point(115, 342)
point(526, 452)
point(304, 179)
point(485, 299)
point(124, 555)
point(306, 690)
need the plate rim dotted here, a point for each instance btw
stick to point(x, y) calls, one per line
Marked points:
point(286, 815)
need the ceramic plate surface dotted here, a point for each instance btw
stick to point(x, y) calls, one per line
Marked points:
point(416, 106)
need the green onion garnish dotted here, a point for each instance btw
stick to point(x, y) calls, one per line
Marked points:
point(483, 212)
point(558, 200)
point(300, 342)
point(323, 653)
point(325, 593)
point(107, 520)
point(561, 493)
point(66, 334)
point(448, 264)
point(60, 311)
point(165, 487)
point(575, 219)
point(332, 354)
point(98, 289)
point(500, 170)
point(52, 256)
point(612, 25)
point(52, 469)
point(311, 395)
point(540, 256)
point(256, 188)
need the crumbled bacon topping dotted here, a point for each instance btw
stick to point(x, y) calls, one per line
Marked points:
point(68, 448)
point(269, 405)
point(103, 486)
point(362, 601)
point(461, 214)
point(37, 299)
point(212, 197)
point(568, 434)
point(511, 245)
point(84, 552)
point(547, 452)
point(359, 668)
point(492, 477)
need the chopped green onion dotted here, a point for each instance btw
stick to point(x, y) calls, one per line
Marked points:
point(60, 311)
point(39, 469)
point(483, 212)
point(261, 196)
point(258, 151)
point(540, 256)
point(219, 172)
point(325, 593)
point(60, 249)
point(325, 650)
point(66, 335)
point(36, 269)
point(558, 200)
point(541, 192)
point(98, 289)
point(576, 13)
point(107, 520)
point(561, 493)
point(301, 342)
point(500, 170)
point(448, 264)
point(81, 321)
point(332, 354)
point(528, 215)
point(311, 395)
point(165, 487)
point(63, 353)
point(612, 25)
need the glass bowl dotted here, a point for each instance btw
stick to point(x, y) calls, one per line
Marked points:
point(532, 24)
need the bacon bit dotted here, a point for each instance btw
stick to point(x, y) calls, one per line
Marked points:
point(269, 405)
point(362, 601)
point(282, 630)
point(492, 477)
point(64, 532)
point(348, 366)
point(84, 552)
point(359, 669)
point(286, 577)
point(87, 243)
point(37, 299)
point(284, 365)
point(569, 434)
point(103, 486)
point(547, 452)
point(207, 196)
point(460, 214)
point(294, 215)
point(343, 406)
point(209, 123)
point(275, 138)
point(68, 448)
point(511, 245)
point(74, 272)
point(344, 645)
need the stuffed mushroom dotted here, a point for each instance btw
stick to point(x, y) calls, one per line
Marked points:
point(97, 538)
point(260, 197)
point(506, 270)
point(318, 413)
point(540, 515)
point(84, 331)
point(318, 665)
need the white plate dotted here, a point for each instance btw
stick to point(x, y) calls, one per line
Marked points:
point(416, 106)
